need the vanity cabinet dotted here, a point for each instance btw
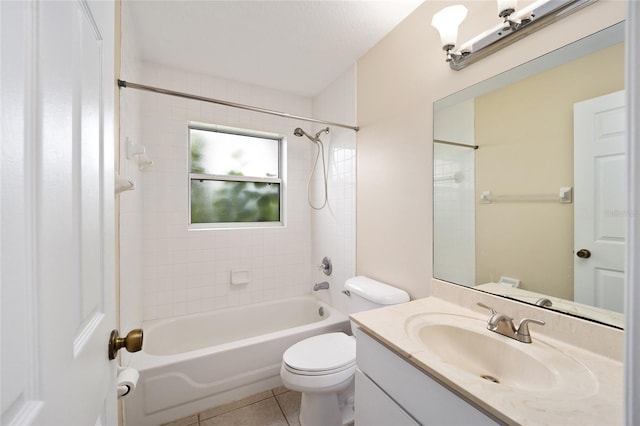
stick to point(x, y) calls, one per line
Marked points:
point(375, 408)
point(390, 390)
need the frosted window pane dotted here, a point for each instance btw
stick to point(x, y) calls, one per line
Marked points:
point(224, 201)
point(219, 153)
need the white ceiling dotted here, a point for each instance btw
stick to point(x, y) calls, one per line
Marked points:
point(298, 47)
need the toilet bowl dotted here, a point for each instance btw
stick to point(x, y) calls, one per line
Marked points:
point(323, 367)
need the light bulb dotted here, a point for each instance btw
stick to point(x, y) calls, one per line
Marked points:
point(447, 22)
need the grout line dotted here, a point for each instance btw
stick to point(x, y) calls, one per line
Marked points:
point(273, 395)
point(244, 406)
point(236, 408)
point(281, 410)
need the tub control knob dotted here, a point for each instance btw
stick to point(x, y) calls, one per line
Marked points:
point(132, 342)
point(326, 266)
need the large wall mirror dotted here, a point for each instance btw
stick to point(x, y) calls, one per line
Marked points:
point(530, 181)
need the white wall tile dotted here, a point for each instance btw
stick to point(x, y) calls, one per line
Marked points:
point(131, 264)
point(187, 271)
point(169, 270)
point(333, 228)
point(454, 224)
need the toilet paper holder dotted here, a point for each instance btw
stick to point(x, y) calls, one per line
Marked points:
point(127, 381)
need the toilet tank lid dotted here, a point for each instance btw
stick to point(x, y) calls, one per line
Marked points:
point(376, 291)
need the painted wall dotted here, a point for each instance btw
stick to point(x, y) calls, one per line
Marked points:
point(535, 158)
point(398, 81)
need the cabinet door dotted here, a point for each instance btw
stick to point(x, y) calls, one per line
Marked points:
point(427, 401)
point(376, 408)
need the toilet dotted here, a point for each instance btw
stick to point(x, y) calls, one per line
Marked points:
point(322, 367)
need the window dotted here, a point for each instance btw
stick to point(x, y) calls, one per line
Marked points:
point(235, 177)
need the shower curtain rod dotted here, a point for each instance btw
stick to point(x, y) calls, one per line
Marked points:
point(127, 84)
point(455, 144)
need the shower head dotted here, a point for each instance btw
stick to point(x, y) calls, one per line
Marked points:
point(299, 132)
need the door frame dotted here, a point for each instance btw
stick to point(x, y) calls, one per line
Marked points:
point(632, 253)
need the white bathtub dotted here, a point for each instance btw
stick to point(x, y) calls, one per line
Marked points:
point(192, 363)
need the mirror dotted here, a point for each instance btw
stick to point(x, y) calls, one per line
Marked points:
point(529, 181)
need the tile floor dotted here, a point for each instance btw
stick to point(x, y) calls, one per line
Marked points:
point(276, 407)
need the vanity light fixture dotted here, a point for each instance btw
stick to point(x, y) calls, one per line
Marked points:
point(506, 7)
point(447, 22)
point(521, 22)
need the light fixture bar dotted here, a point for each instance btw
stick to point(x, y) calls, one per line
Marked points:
point(540, 13)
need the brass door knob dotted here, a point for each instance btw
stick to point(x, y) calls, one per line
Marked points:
point(583, 254)
point(132, 342)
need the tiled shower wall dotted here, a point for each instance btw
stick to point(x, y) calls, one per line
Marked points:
point(454, 212)
point(130, 232)
point(168, 270)
point(333, 228)
point(188, 271)
point(454, 193)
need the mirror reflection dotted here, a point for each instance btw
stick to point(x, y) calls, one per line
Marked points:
point(529, 181)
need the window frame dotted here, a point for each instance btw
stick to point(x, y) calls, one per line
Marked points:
point(280, 179)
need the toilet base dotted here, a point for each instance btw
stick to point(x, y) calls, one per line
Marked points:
point(328, 408)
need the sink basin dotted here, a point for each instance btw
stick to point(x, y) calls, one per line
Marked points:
point(462, 345)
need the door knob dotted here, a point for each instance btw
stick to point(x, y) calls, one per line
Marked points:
point(583, 254)
point(132, 342)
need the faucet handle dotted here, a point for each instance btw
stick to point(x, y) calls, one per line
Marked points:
point(326, 267)
point(482, 305)
point(523, 329)
point(543, 301)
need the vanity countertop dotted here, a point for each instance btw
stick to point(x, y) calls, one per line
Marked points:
point(602, 405)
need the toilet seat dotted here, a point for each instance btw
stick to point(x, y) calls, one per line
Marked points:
point(321, 383)
point(318, 373)
point(321, 355)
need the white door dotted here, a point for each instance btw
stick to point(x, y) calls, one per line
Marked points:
point(57, 245)
point(600, 201)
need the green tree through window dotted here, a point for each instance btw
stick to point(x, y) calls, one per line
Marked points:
point(225, 187)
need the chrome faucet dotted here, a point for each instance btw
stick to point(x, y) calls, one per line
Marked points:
point(321, 286)
point(503, 324)
point(543, 301)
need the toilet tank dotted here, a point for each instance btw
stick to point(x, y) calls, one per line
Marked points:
point(366, 293)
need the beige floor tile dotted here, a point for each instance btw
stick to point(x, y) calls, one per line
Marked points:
point(290, 403)
point(216, 411)
point(279, 390)
point(187, 421)
point(263, 413)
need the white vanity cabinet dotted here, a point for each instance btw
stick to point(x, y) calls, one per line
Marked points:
point(375, 408)
point(389, 390)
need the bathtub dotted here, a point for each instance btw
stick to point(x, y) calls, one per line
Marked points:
point(191, 363)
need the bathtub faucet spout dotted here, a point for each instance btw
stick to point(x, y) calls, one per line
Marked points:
point(321, 286)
